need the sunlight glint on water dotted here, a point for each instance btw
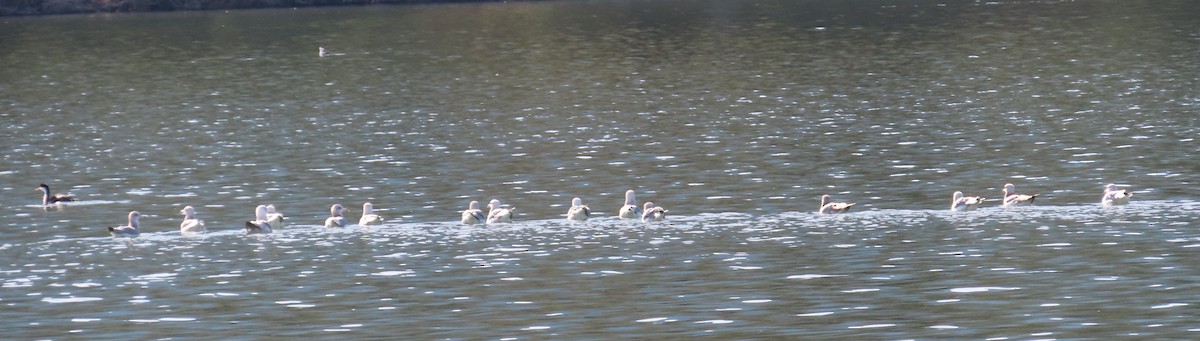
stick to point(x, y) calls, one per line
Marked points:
point(736, 117)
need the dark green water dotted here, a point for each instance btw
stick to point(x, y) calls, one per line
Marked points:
point(736, 116)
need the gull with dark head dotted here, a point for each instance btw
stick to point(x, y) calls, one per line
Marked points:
point(1115, 194)
point(965, 203)
point(829, 207)
point(130, 230)
point(578, 211)
point(1011, 198)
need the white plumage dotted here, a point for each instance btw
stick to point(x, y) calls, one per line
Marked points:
point(630, 210)
point(578, 211)
point(191, 224)
point(130, 230)
point(498, 214)
point(335, 216)
point(473, 215)
point(259, 224)
point(368, 216)
point(1011, 198)
point(1115, 195)
point(828, 207)
point(650, 212)
point(965, 203)
point(274, 218)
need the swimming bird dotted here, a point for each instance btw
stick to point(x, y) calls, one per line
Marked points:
point(578, 211)
point(965, 203)
point(828, 207)
point(48, 199)
point(1011, 198)
point(473, 215)
point(497, 214)
point(368, 216)
point(1115, 195)
point(630, 210)
point(259, 224)
point(191, 224)
point(322, 52)
point(130, 230)
point(274, 218)
point(335, 216)
point(653, 213)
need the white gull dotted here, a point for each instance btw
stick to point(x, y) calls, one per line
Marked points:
point(630, 210)
point(1115, 195)
point(191, 224)
point(335, 216)
point(473, 215)
point(1011, 198)
point(259, 224)
point(498, 214)
point(578, 211)
point(828, 207)
point(965, 203)
point(130, 230)
point(368, 216)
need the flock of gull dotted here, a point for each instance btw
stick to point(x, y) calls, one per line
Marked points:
point(267, 219)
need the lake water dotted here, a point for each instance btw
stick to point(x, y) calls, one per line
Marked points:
point(734, 115)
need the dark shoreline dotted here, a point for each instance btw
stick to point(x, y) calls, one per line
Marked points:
point(53, 7)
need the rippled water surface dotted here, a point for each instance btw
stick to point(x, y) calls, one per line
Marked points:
point(736, 116)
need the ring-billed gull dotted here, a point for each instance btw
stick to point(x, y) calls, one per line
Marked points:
point(498, 214)
point(965, 203)
point(828, 207)
point(335, 216)
point(1011, 198)
point(130, 230)
point(191, 224)
point(630, 210)
point(578, 211)
point(368, 216)
point(473, 215)
point(653, 213)
point(274, 218)
point(1115, 195)
point(259, 224)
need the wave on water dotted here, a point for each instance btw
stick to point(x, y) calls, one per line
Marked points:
point(876, 219)
point(79, 203)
